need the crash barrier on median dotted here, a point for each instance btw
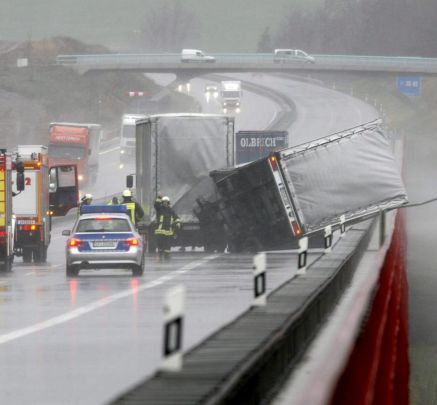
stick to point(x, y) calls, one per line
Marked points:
point(243, 361)
point(377, 371)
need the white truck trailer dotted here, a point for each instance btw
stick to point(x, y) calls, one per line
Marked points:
point(174, 155)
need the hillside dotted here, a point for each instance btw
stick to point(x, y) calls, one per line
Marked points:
point(32, 97)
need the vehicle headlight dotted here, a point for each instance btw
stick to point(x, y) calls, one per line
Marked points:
point(80, 177)
point(122, 151)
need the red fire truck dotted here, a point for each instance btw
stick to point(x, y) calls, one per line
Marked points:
point(34, 207)
point(7, 220)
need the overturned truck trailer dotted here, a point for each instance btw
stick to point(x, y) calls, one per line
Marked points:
point(270, 203)
point(174, 155)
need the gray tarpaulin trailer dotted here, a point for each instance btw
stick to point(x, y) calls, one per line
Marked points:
point(174, 155)
point(269, 203)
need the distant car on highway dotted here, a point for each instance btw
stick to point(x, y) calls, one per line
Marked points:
point(104, 237)
point(195, 55)
point(212, 90)
point(292, 55)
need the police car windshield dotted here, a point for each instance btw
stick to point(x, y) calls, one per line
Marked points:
point(103, 225)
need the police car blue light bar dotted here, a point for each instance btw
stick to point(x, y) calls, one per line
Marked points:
point(99, 209)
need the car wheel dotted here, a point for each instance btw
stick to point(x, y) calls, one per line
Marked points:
point(72, 271)
point(137, 270)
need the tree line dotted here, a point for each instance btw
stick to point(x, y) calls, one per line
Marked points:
point(359, 27)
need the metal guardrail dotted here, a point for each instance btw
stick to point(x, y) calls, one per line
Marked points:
point(247, 61)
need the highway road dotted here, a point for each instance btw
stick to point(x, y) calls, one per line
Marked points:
point(84, 340)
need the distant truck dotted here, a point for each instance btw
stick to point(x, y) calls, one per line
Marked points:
point(174, 155)
point(271, 202)
point(76, 143)
point(127, 136)
point(32, 207)
point(231, 95)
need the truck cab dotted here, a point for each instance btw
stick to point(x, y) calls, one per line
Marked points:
point(231, 95)
point(76, 143)
point(7, 222)
point(127, 136)
point(32, 208)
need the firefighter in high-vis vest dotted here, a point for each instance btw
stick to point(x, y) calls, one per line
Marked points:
point(136, 213)
point(114, 201)
point(167, 225)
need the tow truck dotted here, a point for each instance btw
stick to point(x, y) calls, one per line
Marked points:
point(49, 191)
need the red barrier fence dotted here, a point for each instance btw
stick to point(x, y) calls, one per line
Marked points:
point(377, 371)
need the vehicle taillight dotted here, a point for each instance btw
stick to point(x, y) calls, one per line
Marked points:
point(3, 234)
point(29, 227)
point(74, 243)
point(273, 162)
point(296, 228)
point(132, 242)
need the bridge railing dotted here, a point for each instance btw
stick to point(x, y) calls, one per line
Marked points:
point(248, 62)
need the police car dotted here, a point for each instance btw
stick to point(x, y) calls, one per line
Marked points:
point(104, 237)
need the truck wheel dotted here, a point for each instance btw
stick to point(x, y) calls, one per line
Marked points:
point(6, 266)
point(27, 255)
point(72, 271)
point(40, 254)
point(137, 270)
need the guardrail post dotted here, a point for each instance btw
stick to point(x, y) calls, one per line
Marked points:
point(328, 238)
point(302, 256)
point(342, 226)
point(382, 228)
point(259, 280)
point(174, 305)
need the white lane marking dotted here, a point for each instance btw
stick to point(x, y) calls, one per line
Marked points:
point(68, 316)
point(30, 273)
point(109, 150)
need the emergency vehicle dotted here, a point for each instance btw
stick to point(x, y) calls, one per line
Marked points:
point(7, 221)
point(76, 143)
point(44, 186)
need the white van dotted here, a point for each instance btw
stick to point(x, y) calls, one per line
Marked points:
point(195, 55)
point(292, 55)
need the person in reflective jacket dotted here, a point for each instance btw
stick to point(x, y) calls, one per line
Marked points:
point(135, 211)
point(114, 201)
point(167, 222)
point(87, 199)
